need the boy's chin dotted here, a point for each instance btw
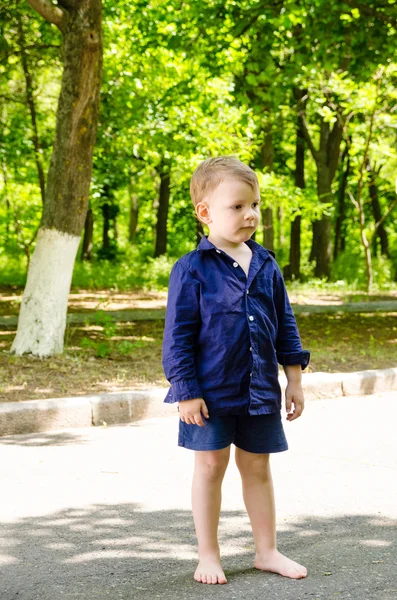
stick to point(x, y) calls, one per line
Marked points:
point(248, 230)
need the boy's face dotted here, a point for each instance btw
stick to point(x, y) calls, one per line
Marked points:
point(231, 211)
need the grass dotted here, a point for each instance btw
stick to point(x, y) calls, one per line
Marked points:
point(79, 371)
point(107, 356)
point(350, 342)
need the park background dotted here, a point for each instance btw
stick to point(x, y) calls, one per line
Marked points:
point(305, 93)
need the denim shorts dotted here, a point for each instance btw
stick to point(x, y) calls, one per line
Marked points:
point(260, 434)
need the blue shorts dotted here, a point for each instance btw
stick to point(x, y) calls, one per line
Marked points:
point(260, 434)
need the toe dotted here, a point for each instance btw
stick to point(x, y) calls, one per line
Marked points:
point(298, 573)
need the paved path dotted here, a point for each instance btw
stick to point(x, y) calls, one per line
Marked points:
point(122, 316)
point(103, 513)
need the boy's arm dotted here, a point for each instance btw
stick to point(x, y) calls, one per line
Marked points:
point(288, 343)
point(182, 323)
point(294, 392)
point(289, 349)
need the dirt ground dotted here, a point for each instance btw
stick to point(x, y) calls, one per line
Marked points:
point(120, 356)
point(87, 300)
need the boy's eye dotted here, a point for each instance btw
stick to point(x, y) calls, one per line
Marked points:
point(239, 205)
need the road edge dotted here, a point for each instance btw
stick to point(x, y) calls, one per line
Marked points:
point(36, 416)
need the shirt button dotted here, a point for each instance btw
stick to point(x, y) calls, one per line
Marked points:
point(250, 374)
point(235, 264)
point(251, 318)
point(248, 291)
point(251, 348)
point(218, 251)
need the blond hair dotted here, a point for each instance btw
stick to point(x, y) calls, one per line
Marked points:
point(211, 172)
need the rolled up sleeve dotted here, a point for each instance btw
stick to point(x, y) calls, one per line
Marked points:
point(182, 324)
point(288, 343)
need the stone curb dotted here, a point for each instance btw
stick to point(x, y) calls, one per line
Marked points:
point(35, 416)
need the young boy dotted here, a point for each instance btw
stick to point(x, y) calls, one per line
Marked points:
point(228, 325)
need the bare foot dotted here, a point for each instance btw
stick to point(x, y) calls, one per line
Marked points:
point(278, 563)
point(209, 570)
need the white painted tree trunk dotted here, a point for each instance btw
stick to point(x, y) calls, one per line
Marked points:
point(42, 318)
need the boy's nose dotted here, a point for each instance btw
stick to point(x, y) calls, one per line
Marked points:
point(250, 215)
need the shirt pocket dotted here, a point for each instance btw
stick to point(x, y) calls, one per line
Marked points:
point(221, 297)
point(264, 295)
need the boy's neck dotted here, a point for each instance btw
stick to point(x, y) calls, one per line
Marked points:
point(225, 244)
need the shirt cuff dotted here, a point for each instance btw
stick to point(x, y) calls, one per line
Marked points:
point(294, 358)
point(184, 389)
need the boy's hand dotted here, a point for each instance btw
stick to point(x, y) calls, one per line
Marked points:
point(294, 395)
point(190, 411)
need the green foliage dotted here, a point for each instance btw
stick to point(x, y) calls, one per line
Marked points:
point(182, 85)
point(102, 347)
point(13, 270)
point(107, 343)
point(351, 267)
point(131, 271)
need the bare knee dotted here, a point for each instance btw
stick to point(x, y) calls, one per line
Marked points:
point(253, 466)
point(212, 464)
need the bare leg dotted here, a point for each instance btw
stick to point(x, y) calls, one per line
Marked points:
point(209, 470)
point(259, 500)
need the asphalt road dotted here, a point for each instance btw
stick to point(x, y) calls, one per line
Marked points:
point(104, 513)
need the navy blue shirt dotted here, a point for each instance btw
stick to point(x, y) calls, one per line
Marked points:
point(225, 333)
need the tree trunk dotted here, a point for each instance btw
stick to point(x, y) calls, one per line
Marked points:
point(134, 212)
point(106, 225)
point(32, 107)
point(268, 230)
point(42, 318)
point(295, 242)
point(340, 237)
point(322, 249)
point(7, 199)
point(381, 232)
point(365, 243)
point(110, 211)
point(326, 159)
point(267, 160)
point(162, 210)
point(86, 251)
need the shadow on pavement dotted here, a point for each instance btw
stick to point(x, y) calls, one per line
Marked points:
point(61, 438)
point(120, 552)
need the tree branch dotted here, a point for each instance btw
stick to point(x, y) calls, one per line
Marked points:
point(373, 12)
point(31, 47)
point(308, 138)
point(10, 99)
point(379, 223)
point(50, 12)
point(335, 140)
point(378, 76)
point(67, 4)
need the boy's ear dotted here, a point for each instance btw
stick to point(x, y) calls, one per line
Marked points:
point(203, 213)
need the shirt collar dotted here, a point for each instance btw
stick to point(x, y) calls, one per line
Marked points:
point(205, 244)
